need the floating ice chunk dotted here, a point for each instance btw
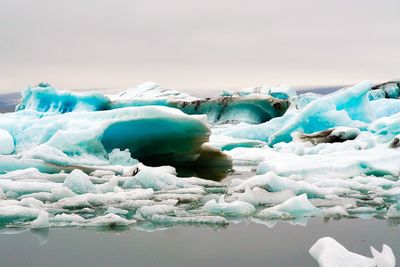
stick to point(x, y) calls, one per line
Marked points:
point(31, 203)
point(107, 199)
point(377, 161)
point(203, 219)
point(329, 253)
point(161, 209)
point(42, 196)
point(46, 98)
point(79, 182)
point(331, 201)
point(136, 204)
point(116, 211)
point(102, 173)
point(394, 211)
point(182, 198)
point(275, 183)
point(233, 209)
point(250, 156)
point(42, 221)
point(85, 138)
point(200, 182)
point(345, 108)
point(296, 206)
point(26, 187)
point(336, 211)
point(154, 178)
point(348, 107)
point(264, 197)
point(189, 190)
point(6, 142)
point(110, 186)
point(385, 107)
point(109, 220)
point(77, 202)
point(60, 193)
point(64, 150)
point(33, 174)
point(249, 107)
point(67, 218)
point(10, 213)
point(121, 157)
point(259, 196)
point(247, 196)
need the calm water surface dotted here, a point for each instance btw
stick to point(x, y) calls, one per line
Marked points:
point(242, 244)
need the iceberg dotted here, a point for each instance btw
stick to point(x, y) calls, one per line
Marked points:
point(329, 253)
point(134, 159)
point(45, 98)
point(253, 108)
point(90, 138)
point(348, 107)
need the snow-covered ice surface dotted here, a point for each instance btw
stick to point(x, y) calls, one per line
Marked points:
point(76, 159)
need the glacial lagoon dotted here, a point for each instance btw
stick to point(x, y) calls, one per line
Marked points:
point(283, 169)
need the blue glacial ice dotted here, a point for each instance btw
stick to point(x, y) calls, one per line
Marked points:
point(348, 107)
point(48, 141)
point(251, 108)
point(82, 159)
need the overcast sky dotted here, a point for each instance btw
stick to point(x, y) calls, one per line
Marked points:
point(197, 44)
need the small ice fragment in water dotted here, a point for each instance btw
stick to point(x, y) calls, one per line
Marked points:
point(42, 221)
point(79, 182)
point(109, 220)
point(295, 206)
point(233, 209)
point(329, 253)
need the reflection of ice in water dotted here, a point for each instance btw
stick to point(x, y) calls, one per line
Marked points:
point(42, 235)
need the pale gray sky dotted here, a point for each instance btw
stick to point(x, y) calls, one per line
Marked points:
point(78, 44)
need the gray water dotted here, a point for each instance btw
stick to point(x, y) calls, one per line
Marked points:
point(243, 244)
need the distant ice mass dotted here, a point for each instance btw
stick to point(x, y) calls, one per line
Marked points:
point(136, 158)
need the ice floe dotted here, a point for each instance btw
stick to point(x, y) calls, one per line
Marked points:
point(330, 253)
